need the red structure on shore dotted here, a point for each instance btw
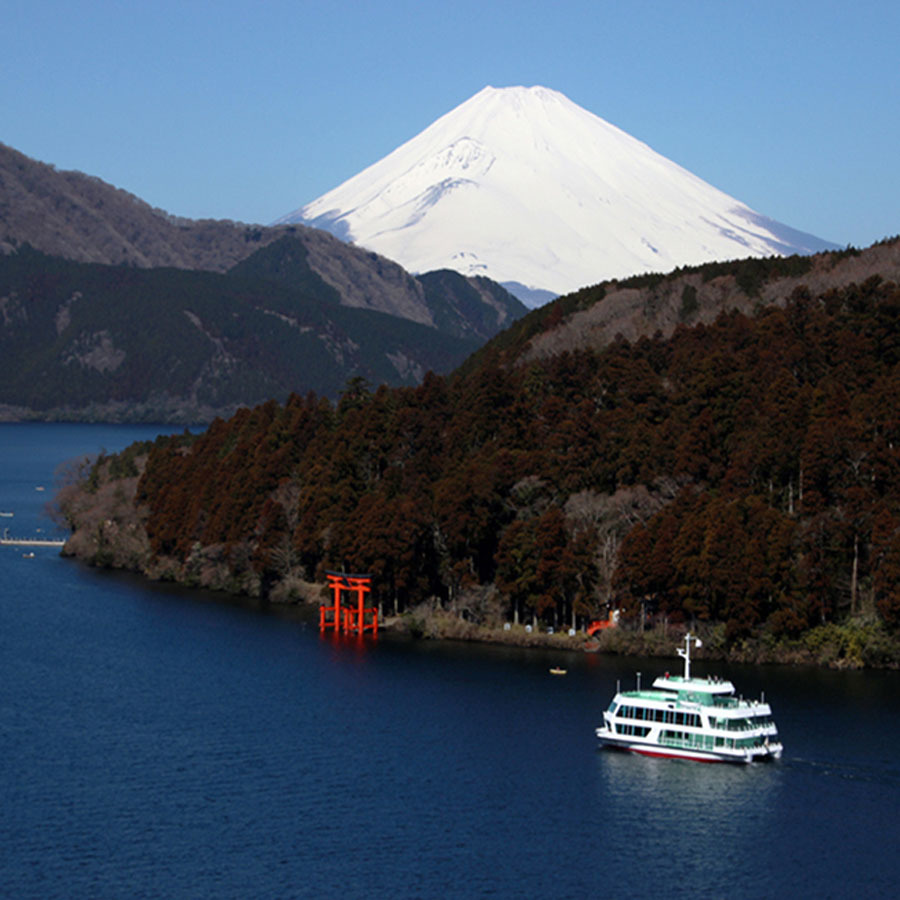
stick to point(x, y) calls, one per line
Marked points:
point(350, 617)
point(599, 624)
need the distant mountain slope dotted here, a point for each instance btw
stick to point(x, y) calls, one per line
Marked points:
point(656, 305)
point(81, 218)
point(524, 186)
point(119, 343)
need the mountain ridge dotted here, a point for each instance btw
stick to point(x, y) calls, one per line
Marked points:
point(657, 304)
point(641, 307)
point(83, 219)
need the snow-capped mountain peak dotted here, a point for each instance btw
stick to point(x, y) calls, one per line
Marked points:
point(526, 187)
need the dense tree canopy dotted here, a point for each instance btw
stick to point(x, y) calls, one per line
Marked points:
point(745, 472)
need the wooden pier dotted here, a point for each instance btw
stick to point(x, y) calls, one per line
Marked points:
point(6, 541)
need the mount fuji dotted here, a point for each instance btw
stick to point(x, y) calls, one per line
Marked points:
point(529, 189)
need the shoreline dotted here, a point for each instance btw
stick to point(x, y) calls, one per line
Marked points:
point(852, 646)
point(856, 644)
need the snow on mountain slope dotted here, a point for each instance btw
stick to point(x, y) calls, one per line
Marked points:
point(523, 185)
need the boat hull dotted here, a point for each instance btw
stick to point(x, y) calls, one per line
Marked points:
point(659, 751)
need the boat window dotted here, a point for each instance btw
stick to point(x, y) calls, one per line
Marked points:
point(632, 730)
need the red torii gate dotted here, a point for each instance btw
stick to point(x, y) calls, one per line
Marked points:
point(349, 618)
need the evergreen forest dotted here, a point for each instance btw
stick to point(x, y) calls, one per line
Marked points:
point(743, 474)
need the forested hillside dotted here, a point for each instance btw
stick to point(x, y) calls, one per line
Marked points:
point(86, 341)
point(73, 249)
point(744, 472)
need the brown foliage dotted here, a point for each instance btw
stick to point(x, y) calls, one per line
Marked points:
point(743, 471)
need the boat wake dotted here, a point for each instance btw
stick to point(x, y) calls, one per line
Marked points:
point(888, 774)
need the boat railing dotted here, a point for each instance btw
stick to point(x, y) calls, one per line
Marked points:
point(733, 725)
point(738, 703)
point(725, 701)
point(697, 741)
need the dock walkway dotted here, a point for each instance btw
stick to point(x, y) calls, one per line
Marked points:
point(30, 542)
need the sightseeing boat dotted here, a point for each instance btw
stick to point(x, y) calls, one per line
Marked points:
point(691, 718)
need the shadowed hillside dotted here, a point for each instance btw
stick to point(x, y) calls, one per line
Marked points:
point(109, 343)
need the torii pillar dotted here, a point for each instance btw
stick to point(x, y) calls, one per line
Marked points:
point(350, 618)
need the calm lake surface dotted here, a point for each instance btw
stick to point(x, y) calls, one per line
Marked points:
point(161, 743)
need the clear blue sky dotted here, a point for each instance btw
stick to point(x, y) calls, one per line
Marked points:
point(248, 110)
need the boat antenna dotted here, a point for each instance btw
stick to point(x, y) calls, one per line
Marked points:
point(638, 680)
point(686, 653)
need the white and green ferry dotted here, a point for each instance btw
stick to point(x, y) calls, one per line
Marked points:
point(691, 718)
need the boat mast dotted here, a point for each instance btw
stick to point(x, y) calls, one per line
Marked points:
point(686, 653)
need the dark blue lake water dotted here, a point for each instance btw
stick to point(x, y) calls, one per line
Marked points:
point(159, 743)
